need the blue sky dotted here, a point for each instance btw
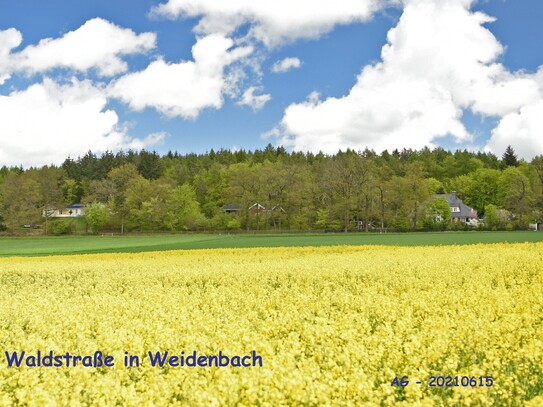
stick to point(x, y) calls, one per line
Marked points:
point(191, 75)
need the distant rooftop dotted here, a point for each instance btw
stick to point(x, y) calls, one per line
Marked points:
point(458, 207)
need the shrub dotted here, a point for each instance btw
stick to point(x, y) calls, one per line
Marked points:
point(234, 224)
point(60, 227)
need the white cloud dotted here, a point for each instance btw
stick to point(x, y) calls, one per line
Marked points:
point(272, 22)
point(439, 60)
point(256, 102)
point(448, 45)
point(97, 44)
point(185, 88)
point(48, 122)
point(390, 115)
point(151, 140)
point(9, 39)
point(286, 65)
point(523, 130)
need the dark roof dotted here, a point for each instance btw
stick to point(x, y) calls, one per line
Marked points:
point(465, 211)
point(74, 206)
point(232, 207)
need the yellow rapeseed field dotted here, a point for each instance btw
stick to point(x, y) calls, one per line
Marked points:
point(451, 325)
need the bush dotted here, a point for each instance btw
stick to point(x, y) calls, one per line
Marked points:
point(455, 226)
point(233, 224)
point(220, 221)
point(97, 216)
point(59, 227)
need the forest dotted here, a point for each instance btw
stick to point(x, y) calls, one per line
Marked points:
point(272, 190)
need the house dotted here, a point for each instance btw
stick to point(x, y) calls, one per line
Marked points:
point(460, 211)
point(231, 208)
point(69, 211)
point(257, 209)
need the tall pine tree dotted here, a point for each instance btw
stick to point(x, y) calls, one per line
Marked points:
point(509, 158)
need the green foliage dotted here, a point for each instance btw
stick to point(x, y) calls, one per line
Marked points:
point(323, 220)
point(407, 195)
point(220, 221)
point(299, 191)
point(72, 191)
point(121, 177)
point(509, 157)
point(438, 214)
point(478, 188)
point(60, 227)
point(150, 165)
point(497, 219)
point(96, 215)
point(209, 185)
point(3, 226)
point(515, 192)
point(491, 217)
point(187, 209)
point(435, 186)
point(233, 224)
point(22, 200)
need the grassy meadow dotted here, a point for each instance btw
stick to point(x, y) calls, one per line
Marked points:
point(41, 246)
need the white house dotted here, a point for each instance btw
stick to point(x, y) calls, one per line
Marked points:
point(460, 211)
point(69, 211)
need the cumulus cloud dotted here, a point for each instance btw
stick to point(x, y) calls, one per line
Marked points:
point(48, 122)
point(185, 88)
point(272, 22)
point(97, 44)
point(286, 65)
point(439, 60)
point(372, 117)
point(9, 39)
point(523, 130)
point(268, 23)
point(256, 102)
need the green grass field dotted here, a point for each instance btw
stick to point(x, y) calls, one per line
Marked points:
point(39, 246)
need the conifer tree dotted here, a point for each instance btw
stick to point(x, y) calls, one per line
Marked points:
point(509, 158)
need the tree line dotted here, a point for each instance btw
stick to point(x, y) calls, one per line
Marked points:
point(273, 189)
